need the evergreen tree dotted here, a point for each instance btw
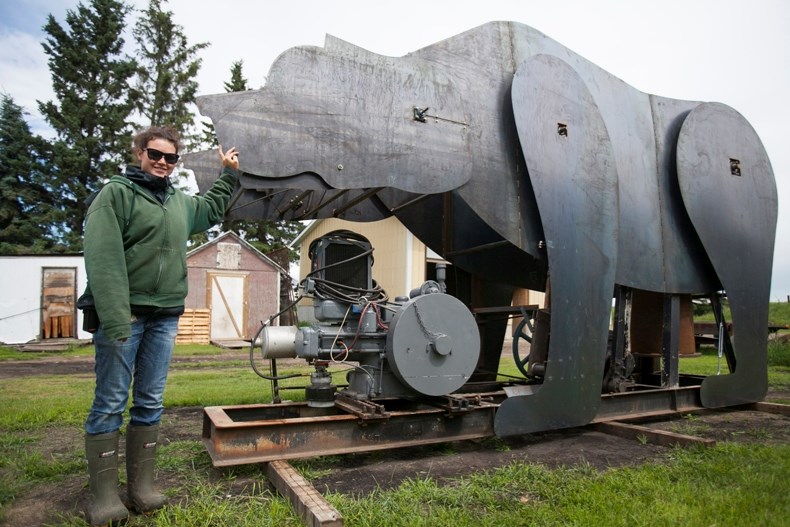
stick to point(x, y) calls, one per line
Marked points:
point(237, 81)
point(167, 70)
point(91, 80)
point(266, 235)
point(25, 200)
point(208, 136)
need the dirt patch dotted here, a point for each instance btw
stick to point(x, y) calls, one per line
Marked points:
point(58, 365)
point(361, 474)
point(48, 502)
point(742, 426)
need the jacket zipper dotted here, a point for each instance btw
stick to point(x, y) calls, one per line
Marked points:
point(165, 239)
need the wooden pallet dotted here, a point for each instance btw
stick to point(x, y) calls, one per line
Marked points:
point(194, 327)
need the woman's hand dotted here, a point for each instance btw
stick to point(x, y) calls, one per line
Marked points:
point(229, 158)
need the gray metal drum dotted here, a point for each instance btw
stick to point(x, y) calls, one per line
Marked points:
point(433, 344)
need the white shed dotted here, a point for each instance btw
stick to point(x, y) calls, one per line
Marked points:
point(38, 296)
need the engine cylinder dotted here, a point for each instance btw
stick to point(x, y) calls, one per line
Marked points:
point(278, 342)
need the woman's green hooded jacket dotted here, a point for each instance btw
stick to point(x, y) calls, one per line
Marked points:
point(135, 245)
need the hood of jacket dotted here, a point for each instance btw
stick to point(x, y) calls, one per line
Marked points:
point(158, 187)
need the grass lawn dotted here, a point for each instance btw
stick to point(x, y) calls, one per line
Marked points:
point(732, 484)
point(727, 485)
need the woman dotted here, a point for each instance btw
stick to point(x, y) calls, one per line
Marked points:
point(136, 232)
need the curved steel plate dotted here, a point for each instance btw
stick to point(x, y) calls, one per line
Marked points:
point(685, 265)
point(729, 190)
point(318, 103)
point(286, 204)
point(571, 165)
point(347, 116)
point(342, 106)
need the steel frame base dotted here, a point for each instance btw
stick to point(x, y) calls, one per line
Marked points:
point(244, 434)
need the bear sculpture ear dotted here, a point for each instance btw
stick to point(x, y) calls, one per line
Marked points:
point(729, 192)
point(572, 169)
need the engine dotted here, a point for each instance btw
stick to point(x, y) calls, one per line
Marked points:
point(423, 344)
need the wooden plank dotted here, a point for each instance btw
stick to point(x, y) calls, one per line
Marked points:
point(231, 343)
point(308, 503)
point(57, 301)
point(771, 408)
point(66, 326)
point(193, 340)
point(653, 436)
point(54, 344)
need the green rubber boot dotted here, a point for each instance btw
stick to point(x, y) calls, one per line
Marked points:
point(105, 505)
point(140, 461)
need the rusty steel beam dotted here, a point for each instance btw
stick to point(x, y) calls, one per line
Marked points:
point(238, 435)
point(369, 193)
point(648, 403)
point(323, 204)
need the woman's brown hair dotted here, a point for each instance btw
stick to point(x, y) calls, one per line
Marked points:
point(142, 139)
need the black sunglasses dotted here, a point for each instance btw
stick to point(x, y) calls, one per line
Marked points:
point(156, 155)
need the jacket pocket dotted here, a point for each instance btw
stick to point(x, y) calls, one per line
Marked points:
point(173, 280)
point(142, 267)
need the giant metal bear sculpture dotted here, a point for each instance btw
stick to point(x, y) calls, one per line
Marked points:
point(515, 158)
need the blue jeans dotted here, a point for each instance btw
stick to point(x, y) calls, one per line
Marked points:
point(144, 358)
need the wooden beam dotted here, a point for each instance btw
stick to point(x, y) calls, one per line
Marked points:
point(308, 503)
point(651, 435)
point(771, 408)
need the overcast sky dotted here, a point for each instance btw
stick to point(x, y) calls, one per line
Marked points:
point(734, 52)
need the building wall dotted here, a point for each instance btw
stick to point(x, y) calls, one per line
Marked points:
point(263, 283)
point(20, 300)
point(398, 256)
point(20, 283)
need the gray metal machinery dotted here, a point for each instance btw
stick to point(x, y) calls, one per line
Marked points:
point(525, 166)
point(426, 344)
